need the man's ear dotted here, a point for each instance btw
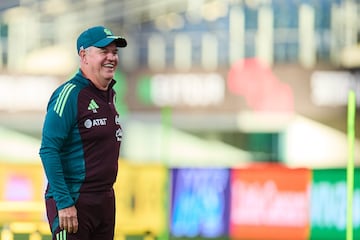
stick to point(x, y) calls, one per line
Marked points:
point(82, 55)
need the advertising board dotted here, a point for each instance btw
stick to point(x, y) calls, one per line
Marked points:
point(269, 202)
point(199, 202)
point(329, 203)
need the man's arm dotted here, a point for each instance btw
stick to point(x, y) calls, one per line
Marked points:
point(59, 121)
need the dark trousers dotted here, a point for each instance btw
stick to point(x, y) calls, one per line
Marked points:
point(96, 217)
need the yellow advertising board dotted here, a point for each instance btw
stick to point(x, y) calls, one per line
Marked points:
point(21, 192)
point(141, 199)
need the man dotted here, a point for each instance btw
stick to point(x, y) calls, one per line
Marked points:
point(81, 141)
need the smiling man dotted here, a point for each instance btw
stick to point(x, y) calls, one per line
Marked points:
point(81, 141)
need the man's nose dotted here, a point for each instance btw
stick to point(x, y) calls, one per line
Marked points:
point(112, 56)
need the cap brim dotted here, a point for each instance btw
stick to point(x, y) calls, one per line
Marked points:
point(119, 41)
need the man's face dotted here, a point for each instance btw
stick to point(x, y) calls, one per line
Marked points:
point(102, 62)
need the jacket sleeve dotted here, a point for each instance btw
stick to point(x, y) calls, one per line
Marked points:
point(59, 120)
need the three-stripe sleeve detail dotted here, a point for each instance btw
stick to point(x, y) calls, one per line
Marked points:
point(62, 98)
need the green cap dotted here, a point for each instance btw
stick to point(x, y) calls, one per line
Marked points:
point(98, 36)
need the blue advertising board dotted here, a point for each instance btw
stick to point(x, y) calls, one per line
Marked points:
point(200, 200)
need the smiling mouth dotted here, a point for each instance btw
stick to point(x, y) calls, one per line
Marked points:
point(109, 65)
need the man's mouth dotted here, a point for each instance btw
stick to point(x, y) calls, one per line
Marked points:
point(109, 65)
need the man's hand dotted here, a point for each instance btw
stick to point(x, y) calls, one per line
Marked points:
point(68, 219)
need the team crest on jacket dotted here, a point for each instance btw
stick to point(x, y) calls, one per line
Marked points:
point(119, 132)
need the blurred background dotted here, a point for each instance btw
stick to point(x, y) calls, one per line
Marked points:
point(234, 114)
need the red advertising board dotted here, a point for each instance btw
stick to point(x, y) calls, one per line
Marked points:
point(269, 202)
